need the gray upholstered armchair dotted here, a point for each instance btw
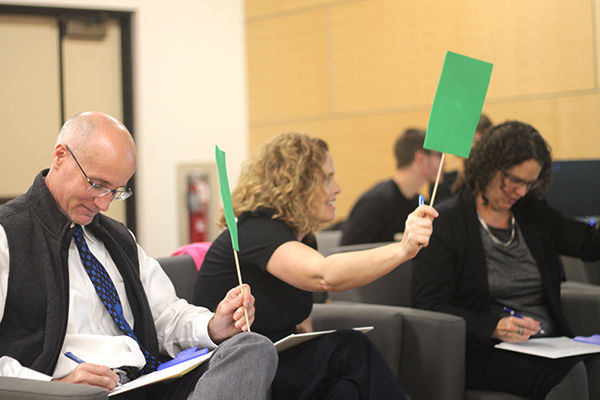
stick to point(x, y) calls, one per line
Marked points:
point(27, 389)
point(424, 349)
point(580, 300)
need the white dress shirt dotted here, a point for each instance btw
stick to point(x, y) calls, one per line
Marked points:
point(92, 334)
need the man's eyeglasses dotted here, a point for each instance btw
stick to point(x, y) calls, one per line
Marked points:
point(518, 182)
point(99, 190)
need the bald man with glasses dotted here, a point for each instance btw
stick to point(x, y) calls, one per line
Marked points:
point(74, 280)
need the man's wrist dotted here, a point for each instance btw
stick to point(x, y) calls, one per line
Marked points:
point(217, 339)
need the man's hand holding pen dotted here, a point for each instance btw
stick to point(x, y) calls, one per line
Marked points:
point(93, 375)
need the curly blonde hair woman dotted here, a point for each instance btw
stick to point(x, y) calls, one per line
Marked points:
point(286, 191)
point(286, 175)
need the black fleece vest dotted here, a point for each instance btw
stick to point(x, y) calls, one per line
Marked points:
point(37, 302)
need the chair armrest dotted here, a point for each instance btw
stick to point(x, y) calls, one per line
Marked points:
point(581, 305)
point(29, 389)
point(387, 323)
point(425, 349)
point(432, 365)
point(182, 272)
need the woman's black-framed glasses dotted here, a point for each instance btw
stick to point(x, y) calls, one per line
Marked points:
point(99, 190)
point(518, 182)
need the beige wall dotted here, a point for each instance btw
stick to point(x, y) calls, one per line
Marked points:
point(27, 139)
point(189, 94)
point(356, 73)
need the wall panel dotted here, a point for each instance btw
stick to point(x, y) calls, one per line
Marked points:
point(93, 73)
point(388, 54)
point(93, 82)
point(569, 124)
point(29, 104)
point(358, 72)
point(287, 67)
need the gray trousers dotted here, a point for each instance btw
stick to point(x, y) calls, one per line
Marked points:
point(242, 367)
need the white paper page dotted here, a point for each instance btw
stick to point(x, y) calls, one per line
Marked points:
point(167, 373)
point(553, 347)
point(297, 338)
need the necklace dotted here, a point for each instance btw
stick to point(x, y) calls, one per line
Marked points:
point(493, 238)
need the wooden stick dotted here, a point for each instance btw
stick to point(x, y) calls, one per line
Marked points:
point(239, 274)
point(437, 180)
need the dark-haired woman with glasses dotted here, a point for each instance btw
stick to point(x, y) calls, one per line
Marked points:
point(493, 259)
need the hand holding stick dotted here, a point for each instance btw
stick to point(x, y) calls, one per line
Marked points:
point(239, 274)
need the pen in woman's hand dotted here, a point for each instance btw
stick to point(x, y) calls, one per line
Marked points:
point(516, 314)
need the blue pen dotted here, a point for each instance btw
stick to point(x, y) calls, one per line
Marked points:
point(78, 360)
point(74, 357)
point(513, 312)
point(421, 202)
point(516, 314)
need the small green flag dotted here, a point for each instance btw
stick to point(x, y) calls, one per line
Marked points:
point(457, 104)
point(226, 197)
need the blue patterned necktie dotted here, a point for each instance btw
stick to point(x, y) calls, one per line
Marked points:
point(105, 288)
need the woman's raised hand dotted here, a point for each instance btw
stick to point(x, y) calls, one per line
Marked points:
point(418, 229)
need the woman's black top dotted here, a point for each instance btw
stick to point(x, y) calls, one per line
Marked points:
point(279, 306)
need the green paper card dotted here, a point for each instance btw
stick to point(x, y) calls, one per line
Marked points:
point(457, 104)
point(226, 197)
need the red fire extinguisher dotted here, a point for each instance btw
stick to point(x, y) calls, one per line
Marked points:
point(198, 195)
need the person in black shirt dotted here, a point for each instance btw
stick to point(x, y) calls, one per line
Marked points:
point(285, 193)
point(379, 214)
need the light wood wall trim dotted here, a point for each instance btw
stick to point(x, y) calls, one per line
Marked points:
point(259, 10)
point(416, 108)
point(596, 25)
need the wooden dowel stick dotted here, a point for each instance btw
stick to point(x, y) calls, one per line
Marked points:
point(239, 274)
point(437, 180)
